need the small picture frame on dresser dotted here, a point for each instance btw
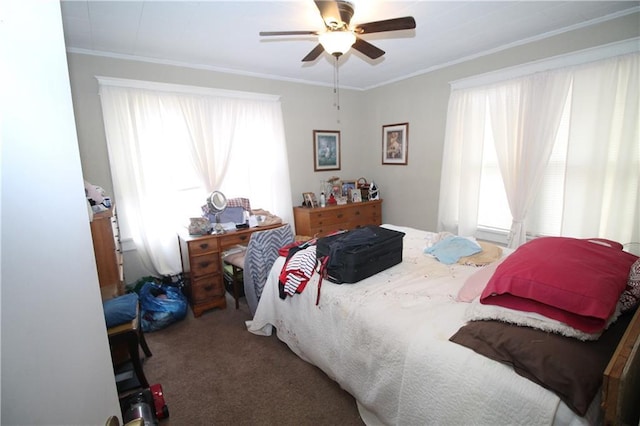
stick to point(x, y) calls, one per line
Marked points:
point(355, 195)
point(347, 186)
point(309, 199)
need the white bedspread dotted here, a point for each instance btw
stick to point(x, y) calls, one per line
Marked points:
point(385, 341)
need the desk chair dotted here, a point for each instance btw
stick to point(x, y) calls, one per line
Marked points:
point(122, 315)
point(256, 262)
point(235, 259)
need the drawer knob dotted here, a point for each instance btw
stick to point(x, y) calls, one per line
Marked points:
point(204, 245)
point(204, 264)
point(208, 287)
point(358, 213)
point(340, 215)
point(243, 237)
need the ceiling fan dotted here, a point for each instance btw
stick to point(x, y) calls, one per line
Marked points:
point(339, 36)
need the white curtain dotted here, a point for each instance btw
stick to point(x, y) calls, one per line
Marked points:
point(211, 125)
point(603, 161)
point(169, 148)
point(462, 162)
point(525, 115)
point(602, 184)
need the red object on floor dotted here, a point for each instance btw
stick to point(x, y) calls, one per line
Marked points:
point(162, 411)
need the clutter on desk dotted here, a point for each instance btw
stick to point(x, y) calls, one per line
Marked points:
point(216, 204)
point(199, 226)
point(265, 218)
point(97, 197)
point(236, 215)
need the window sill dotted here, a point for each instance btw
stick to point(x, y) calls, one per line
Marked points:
point(497, 235)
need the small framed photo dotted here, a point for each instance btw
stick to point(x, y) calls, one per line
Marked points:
point(326, 150)
point(355, 196)
point(395, 143)
point(309, 199)
point(336, 189)
point(347, 185)
point(341, 201)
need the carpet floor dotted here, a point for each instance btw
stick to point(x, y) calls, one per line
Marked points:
point(214, 372)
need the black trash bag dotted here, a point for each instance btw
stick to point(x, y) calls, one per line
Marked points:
point(170, 280)
point(161, 305)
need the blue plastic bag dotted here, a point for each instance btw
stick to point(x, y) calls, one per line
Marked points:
point(161, 305)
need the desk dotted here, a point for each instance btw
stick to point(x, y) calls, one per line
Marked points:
point(202, 265)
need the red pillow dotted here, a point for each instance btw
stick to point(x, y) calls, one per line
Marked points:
point(571, 280)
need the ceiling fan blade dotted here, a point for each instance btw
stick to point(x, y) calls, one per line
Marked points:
point(335, 11)
point(328, 9)
point(311, 56)
point(287, 33)
point(367, 48)
point(395, 24)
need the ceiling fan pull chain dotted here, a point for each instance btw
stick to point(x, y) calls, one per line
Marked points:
point(336, 88)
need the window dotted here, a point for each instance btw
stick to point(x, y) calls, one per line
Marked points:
point(550, 153)
point(169, 146)
point(545, 215)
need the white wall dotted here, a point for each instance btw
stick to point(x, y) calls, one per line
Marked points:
point(56, 367)
point(410, 192)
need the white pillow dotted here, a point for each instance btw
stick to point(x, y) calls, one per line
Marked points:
point(478, 311)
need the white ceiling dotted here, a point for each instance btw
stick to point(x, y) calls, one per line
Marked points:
point(223, 35)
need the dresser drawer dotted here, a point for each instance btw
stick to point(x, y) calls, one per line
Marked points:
point(205, 264)
point(367, 211)
point(202, 245)
point(328, 217)
point(322, 231)
point(206, 288)
point(230, 240)
point(320, 221)
point(363, 222)
point(366, 217)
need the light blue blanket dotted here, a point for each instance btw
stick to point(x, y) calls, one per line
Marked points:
point(449, 250)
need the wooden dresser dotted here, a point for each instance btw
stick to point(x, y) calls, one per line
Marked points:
point(202, 265)
point(320, 221)
point(106, 246)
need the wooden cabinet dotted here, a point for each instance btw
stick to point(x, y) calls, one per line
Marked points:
point(320, 221)
point(106, 246)
point(202, 266)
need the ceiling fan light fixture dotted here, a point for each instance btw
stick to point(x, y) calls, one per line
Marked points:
point(337, 42)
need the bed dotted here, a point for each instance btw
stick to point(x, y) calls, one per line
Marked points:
point(386, 340)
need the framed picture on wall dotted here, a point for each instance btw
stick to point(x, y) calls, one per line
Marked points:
point(326, 150)
point(395, 143)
